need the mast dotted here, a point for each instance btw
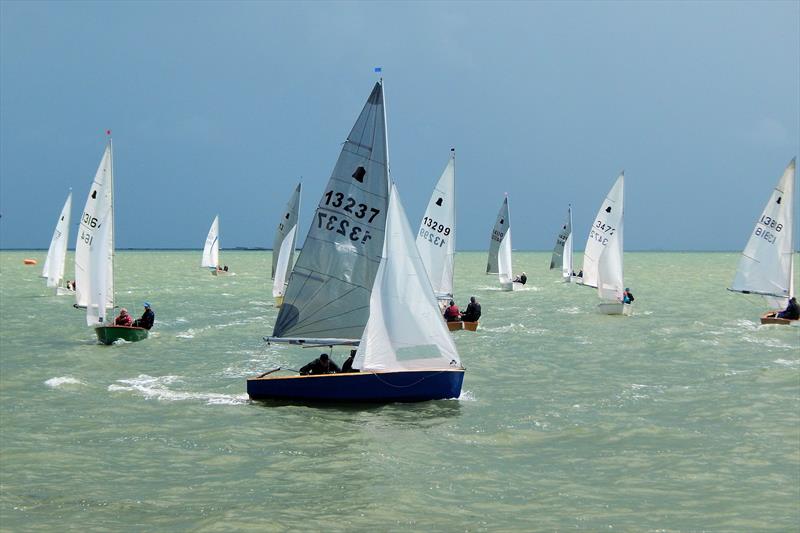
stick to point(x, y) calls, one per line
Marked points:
point(113, 222)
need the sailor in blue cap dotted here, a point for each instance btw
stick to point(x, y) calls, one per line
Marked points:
point(148, 318)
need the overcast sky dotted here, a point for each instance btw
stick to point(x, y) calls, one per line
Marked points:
point(220, 108)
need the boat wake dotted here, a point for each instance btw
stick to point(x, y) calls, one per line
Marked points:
point(61, 381)
point(157, 388)
point(466, 396)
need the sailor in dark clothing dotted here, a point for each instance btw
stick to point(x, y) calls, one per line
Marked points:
point(347, 366)
point(148, 318)
point(452, 314)
point(627, 296)
point(522, 278)
point(473, 312)
point(792, 311)
point(323, 365)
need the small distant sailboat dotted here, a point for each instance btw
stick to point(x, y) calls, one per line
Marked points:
point(602, 258)
point(211, 250)
point(54, 264)
point(767, 263)
point(284, 245)
point(562, 251)
point(94, 258)
point(500, 250)
point(354, 282)
point(436, 239)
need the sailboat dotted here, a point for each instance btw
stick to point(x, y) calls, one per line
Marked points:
point(56, 259)
point(283, 246)
point(354, 283)
point(94, 258)
point(602, 258)
point(767, 263)
point(500, 250)
point(562, 251)
point(211, 250)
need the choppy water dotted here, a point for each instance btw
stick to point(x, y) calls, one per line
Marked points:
point(684, 417)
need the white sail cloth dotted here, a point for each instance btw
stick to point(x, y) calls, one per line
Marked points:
point(211, 247)
point(329, 287)
point(94, 248)
point(602, 258)
point(766, 264)
point(286, 224)
point(54, 264)
point(562, 251)
point(405, 330)
point(501, 224)
point(504, 267)
point(282, 267)
point(436, 239)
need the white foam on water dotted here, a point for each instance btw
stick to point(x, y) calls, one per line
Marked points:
point(508, 328)
point(63, 380)
point(569, 310)
point(466, 396)
point(788, 363)
point(157, 388)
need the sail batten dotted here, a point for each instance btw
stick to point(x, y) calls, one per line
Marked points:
point(436, 238)
point(335, 271)
point(766, 264)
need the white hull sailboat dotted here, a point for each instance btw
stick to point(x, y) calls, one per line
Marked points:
point(94, 258)
point(55, 263)
point(283, 246)
point(562, 251)
point(766, 266)
point(210, 258)
point(357, 275)
point(603, 256)
point(500, 250)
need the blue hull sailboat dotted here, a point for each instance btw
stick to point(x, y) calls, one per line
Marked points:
point(354, 282)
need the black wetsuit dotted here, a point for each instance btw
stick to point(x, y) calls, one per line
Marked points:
point(316, 367)
point(473, 312)
point(147, 320)
point(792, 311)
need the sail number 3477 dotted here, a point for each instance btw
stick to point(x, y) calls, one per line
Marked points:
point(601, 232)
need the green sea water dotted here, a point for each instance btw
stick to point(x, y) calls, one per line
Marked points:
point(683, 417)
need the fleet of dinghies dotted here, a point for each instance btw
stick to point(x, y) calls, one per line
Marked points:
point(361, 268)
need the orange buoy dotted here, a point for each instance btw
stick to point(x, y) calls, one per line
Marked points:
point(29, 261)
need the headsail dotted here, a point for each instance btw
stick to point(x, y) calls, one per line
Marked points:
point(286, 224)
point(54, 265)
point(211, 247)
point(329, 288)
point(562, 251)
point(94, 248)
point(284, 256)
point(605, 239)
point(766, 263)
point(436, 239)
point(498, 232)
point(394, 338)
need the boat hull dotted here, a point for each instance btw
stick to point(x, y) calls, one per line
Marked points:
point(110, 334)
point(380, 387)
point(63, 291)
point(456, 326)
point(615, 308)
point(220, 272)
point(510, 286)
point(767, 319)
point(278, 301)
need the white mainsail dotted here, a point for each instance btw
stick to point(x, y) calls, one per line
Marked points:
point(602, 258)
point(329, 288)
point(211, 247)
point(504, 268)
point(766, 265)
point(562, 251)
point(498, 232)
point(94, 248)
point(54, 264)
point(394, 338)
point(284, 256)
point(436, 239)
point(287, 224)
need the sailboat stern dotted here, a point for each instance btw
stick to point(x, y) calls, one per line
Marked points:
point(615, 308)
point(375, 387)
point(110, 334)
